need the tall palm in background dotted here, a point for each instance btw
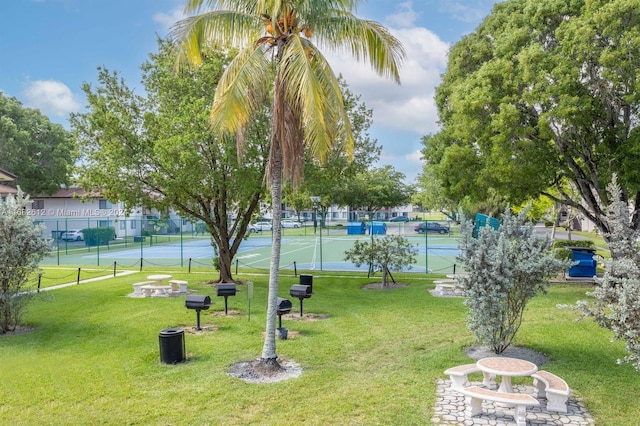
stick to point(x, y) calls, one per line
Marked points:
point(279, 57)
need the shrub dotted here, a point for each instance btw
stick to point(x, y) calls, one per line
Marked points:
point(98, 236)
point(22, 247)
point(504, 269)
point(617, 293)
point(383, 254)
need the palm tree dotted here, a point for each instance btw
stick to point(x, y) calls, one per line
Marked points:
point(279, 57)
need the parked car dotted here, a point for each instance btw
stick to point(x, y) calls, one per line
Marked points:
point(260, 226)
point(290, 224)
point(399, 219)
point(75, 235)
point(431, 227)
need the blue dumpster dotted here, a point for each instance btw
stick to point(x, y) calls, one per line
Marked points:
point(356, 228)
point(377, 228)
point(586, 264)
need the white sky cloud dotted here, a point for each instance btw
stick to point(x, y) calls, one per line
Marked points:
point(415, 156)
point(404, 17)
point(409, 106)
point(168, 19)
point(465, 12)
point(51, 98)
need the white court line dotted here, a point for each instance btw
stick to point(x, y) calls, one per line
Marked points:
point(301, 248)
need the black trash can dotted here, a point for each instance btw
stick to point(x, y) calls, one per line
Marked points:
point(172, 348)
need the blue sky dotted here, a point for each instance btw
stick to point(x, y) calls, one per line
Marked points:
point(48, 48)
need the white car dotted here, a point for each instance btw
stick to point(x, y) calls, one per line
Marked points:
point(260, 226)
point(75, 235)
point(290, 224)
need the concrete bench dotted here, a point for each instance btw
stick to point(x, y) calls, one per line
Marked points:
point(459, 379)
point(520, 401)
point(178, 286)
point(137, 288)
point(553, 388)
point(155, 290)
point(448, 287)
point(445, 281)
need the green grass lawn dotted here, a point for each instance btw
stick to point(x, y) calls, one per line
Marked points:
point(93, 357)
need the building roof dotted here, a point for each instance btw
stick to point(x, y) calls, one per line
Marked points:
point(6, 190)
point(71, 192)
point(5, 176)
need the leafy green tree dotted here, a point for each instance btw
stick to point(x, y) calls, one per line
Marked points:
point(37, 151)
point(616, 297)
point(504, 269)
point(279, 60)
point(159, 151)
point(392, 252)
point(375, 189)
point(22, 247)
point(430, 194)
point(542, 93)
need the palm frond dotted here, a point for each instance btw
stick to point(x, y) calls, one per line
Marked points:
point(245, 6)
point(312, 85)
point(241, 90)
point(364, 39)
point(215, 28)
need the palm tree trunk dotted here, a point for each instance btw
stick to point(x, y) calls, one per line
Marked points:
point(269, 349)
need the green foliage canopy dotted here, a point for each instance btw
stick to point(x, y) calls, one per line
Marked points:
point(375, 189)
point(541, 94)
point(160, 152)
point(37, 151)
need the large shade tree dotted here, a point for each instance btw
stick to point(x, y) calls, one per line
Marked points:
point(158, 151)
point(544, 94)
point(38, 151)
point(280, 58)
point(375, 189)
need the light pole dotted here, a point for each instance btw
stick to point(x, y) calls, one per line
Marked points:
point(316, 201)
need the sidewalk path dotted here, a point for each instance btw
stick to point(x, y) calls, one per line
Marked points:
point(88, 280)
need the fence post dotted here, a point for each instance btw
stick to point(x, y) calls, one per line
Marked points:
point(78, 280)
point(39, 278)
point(114, 268)
point(295, 269)
point(236, 266)
point(140, 264)
point(189, 265)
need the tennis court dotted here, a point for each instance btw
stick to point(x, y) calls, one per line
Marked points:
point(310, 252)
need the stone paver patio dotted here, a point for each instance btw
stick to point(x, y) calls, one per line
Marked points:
point(450, 407)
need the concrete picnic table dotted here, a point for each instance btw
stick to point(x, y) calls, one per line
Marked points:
point(507, 368)
point(159, 278)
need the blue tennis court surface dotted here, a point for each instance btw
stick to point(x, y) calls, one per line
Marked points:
point(437, 254)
